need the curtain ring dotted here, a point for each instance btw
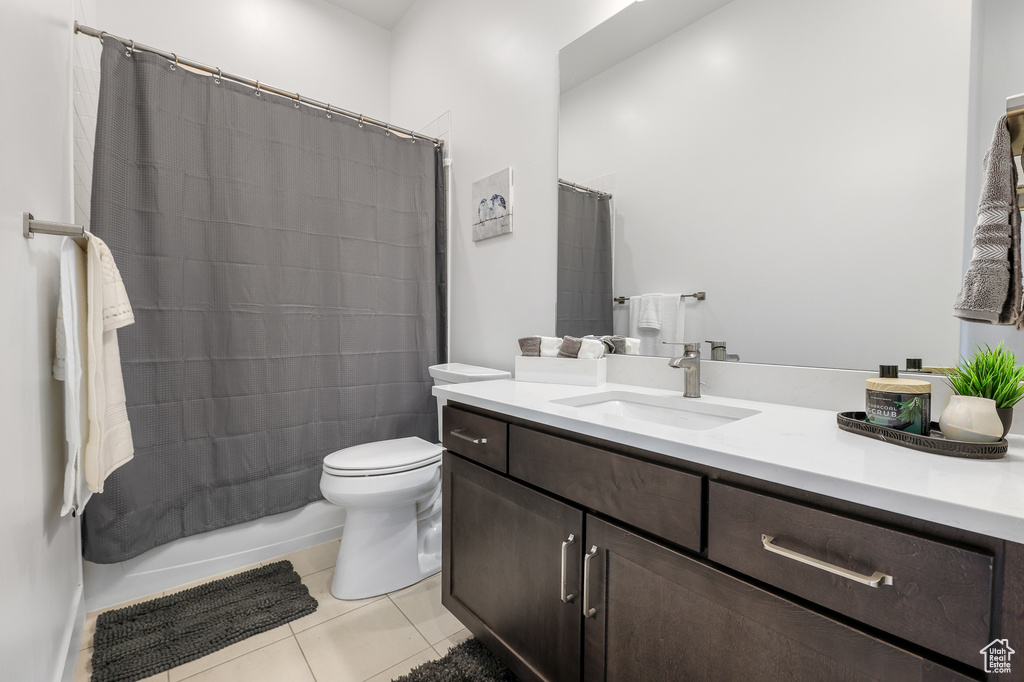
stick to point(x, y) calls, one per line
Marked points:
point(257, 88)
point(130, 50)
point(174, 66)
point(216, 78)
point(328, 110)
point(387, 129)
point(298, 100)
point(360, 120)
point(102, 33)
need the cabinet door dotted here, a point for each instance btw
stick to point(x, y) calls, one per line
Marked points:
point(659, 615)
point(503, 567)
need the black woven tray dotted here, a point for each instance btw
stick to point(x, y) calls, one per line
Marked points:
point(936, 443)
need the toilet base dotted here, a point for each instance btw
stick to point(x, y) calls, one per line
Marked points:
point(383, 550)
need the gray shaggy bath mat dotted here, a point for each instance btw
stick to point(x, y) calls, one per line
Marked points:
point(145, 639)
point(467, 662)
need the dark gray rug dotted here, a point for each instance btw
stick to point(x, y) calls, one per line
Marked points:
point(144, 639)
point(467, 662)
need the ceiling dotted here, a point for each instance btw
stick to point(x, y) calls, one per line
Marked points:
point(384, 13)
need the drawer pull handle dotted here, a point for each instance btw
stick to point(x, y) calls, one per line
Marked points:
point(566, 598)
point(588, 611)
point(458, 433)
point(874, 580)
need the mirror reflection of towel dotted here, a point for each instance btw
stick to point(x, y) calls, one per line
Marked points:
point(673, 318)
point(650, 311)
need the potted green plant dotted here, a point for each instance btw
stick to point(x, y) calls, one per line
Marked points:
point(992, 373)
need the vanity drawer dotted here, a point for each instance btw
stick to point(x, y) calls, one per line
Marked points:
point(480, 439)
point(654, 498)
point(940, 595)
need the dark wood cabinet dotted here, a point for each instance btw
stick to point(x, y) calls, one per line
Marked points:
point(667, 576)
point(503, 566)
point(661, 615)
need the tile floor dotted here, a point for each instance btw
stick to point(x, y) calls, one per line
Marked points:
point(370, 640)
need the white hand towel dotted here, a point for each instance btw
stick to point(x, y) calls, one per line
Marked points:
point(649, 316)
point(68, 367)
point(109, 444)
point(591, 349)
point(672, 325)
point(549, 346)
point(632, 346)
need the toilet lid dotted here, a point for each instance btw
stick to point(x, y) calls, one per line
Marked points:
point(385, 456)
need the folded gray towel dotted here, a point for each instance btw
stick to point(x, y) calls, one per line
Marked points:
point(530, 346)
point(570, 347)
point(615, 344)
point(991, 291)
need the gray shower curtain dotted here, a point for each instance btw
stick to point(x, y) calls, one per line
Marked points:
point(287, 275)
point(584, 301)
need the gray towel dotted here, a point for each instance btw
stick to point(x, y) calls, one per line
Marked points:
point(530, 346)
point(991, 292)
point(570, 347)
point(613, 344)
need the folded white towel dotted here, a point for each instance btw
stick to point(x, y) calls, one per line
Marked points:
point(109, 443)
point(68, 367)
point(549, 346)
point(632, 346)
point(591, 349)
point(649, 316)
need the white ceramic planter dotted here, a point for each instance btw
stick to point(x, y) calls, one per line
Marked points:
point(973, 419)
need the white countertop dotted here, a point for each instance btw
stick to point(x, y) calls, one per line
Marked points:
point(794, 446)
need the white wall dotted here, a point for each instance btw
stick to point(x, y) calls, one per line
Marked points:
point(307, 46)
point(802, 162)
point(495, 66)
point(40, 564)
point(999, 74)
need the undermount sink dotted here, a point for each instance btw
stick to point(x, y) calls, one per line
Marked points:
point(677, 411)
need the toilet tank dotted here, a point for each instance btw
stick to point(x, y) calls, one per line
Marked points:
point(458, 373)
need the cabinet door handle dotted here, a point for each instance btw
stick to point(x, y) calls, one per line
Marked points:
point(566, 598)
point(458, 433)
point(874, 580)
point(588, 611)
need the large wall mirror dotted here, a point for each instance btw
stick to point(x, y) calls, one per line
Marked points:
point(803, 162)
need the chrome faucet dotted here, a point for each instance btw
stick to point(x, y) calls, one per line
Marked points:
point(689, 362)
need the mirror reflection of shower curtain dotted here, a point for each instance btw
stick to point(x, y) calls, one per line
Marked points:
point(285, 269)
point(584, 304)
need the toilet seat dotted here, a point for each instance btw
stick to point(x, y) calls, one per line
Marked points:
point(382, 457)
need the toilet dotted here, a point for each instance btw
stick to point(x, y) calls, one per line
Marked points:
point(391, 493)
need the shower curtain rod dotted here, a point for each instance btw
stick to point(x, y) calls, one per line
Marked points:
point(176, 60)
point(581, 188)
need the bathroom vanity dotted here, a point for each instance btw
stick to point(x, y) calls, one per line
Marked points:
point(586, 541)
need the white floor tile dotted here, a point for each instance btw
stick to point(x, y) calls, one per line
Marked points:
point(357, 645)
point(421, 603)
point(230, 652)
point(405, 667)
point(319, 586)
point(281, 661)
point(447, 643)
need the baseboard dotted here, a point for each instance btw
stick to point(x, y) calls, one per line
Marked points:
point(72, 640)
point(208, 554)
